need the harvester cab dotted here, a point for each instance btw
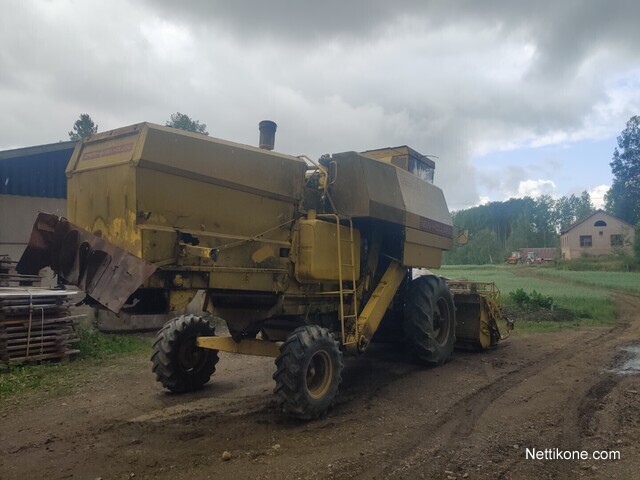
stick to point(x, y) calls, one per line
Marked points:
point(303, 261)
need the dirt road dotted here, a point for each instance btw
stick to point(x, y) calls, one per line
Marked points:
point(472, 418)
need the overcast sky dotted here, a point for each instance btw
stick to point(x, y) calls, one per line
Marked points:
point(514, 98)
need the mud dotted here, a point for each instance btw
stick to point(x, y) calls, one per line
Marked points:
point(475, 417)
point(631, 361)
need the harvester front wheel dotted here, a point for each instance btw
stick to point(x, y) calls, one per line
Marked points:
point(308, 372)
point(429, 321)
point(179, 364)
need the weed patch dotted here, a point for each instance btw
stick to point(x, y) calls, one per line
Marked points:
point(97, 345)
point(57, 377)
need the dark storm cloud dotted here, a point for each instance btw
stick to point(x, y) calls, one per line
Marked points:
point(565, 31)
point(453, 79)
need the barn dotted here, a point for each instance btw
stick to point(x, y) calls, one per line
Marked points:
point(32, 179)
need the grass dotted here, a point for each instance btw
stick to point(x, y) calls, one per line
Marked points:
point(17, 379)
point(626, 281)
point(57, 378)
point(619, 262)
point(98, 346)
point(575, 305)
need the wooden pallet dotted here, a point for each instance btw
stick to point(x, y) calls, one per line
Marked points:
point(10, 278)
point(36, 324)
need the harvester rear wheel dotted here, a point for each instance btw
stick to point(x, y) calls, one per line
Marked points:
point(429, 321)
point(178, 363)
point(308, 372)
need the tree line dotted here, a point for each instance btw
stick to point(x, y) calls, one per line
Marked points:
point(498, 228)
point(85, 126)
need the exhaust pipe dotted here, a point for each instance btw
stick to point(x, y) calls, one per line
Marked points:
point(267, 134)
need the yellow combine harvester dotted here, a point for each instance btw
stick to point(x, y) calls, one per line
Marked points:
point(303, 260)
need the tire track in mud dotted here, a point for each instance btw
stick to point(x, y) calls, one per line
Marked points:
point(383, 425)
point(449, 432)
point(453, 430)
point(417, 449)
point(592, 401)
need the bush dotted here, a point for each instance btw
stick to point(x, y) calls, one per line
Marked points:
point(538, 300)
point(535, 300)
point(520, 297)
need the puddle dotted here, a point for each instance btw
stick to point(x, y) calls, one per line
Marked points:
point(630, 362)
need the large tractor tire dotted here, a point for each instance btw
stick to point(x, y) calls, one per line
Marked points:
point(429, 321)
point(178, 363)
point(308, 372)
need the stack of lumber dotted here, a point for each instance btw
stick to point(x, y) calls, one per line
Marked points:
point(10, 278)
point(36, 324)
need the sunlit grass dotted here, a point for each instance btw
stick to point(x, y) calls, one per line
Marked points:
point(588, 305)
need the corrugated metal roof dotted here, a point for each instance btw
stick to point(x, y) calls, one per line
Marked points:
point(547, 253)
point(36, 171)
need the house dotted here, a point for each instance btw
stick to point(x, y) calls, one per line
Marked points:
point(32, 179)
point(598, 234)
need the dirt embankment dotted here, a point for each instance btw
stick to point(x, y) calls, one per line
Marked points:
point(472, 418)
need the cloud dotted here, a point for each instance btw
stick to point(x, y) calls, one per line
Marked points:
point(536, 188)
point(456, 80)
point(597, 194)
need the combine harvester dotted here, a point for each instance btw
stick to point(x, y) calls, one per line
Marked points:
point(305, 261)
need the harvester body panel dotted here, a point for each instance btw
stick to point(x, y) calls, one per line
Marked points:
point(379, 190)
point(148, 188)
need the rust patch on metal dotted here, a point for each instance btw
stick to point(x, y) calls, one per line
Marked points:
point(437, 228)
point(106, 152)
point(107, 273)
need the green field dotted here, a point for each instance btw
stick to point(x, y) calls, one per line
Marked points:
point(587, 305)
point(627, 281)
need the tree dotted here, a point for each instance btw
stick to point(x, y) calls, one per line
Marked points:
point(569, 210)
point(83, 127)
point(584, 206)
point(543, 221)
point(183, 122)
point(623, 198)
point(482, 248)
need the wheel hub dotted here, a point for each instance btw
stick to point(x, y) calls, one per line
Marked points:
point(441, 323)
point(319, 374)
point(189, 355)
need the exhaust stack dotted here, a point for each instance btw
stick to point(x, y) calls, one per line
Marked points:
point(267, 134)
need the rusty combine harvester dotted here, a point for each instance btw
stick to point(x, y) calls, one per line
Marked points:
point(305, 261)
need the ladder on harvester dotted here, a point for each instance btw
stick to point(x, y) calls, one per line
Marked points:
point(347, 295)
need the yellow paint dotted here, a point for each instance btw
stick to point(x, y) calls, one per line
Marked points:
point(246, 347)
point(110, 191)
point(179, 299)
point(317, 252)
point(263, 253)
point(372, 313)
